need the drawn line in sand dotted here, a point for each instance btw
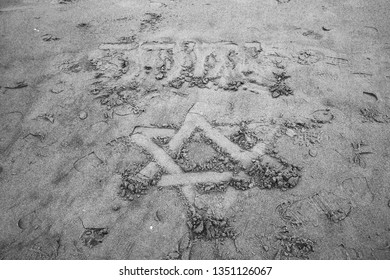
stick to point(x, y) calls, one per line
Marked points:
point(176, 176)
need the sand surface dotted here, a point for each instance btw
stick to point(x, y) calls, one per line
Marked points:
point(224, 129)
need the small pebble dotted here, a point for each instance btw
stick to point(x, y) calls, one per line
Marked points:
point(312, 153)
point(293, 181)
point(290, 132)
point(83, 115)
point(116, 207)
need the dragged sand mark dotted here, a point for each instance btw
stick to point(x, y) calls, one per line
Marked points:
point(162, 158)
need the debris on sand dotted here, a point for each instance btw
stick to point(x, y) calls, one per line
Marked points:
point(67, 1)
point(127, 39)
point(373, 115)
point(298, 125)
point(115, 207)
point(16, 85)
point(280, 77)
point(312, 34)
point(233, 85)
point(241, 184)
point(158, 217)
point(290, 133)
point(200, 82)
point(265, 176)
point(313, 153)
point(308, 57)
point(203, 188)
point(124, 98)
point(150, 22)
point(58, 88)
point(177, 83)
point(93, 236)
point(161, 140)
point(49, 37)
point(280, 88)
point(374, 95)
point(83, 25)
point(134, 186)
point(253, 50)
point(244, 137)
point(83, 115)
point(208, 227)
point(169, 125)
point(193, 81)
point(338, 215)
point(47, 117)
point(292, 246)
